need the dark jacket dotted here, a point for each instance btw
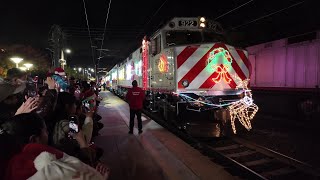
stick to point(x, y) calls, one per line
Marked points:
point(46, 110)
point(135, 97)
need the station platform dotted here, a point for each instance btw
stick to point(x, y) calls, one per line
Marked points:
point(156, 154)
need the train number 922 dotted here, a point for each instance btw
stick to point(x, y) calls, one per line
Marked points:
point(188, 23)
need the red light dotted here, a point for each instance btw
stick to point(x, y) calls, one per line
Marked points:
point(145, 56)
point(163, 64)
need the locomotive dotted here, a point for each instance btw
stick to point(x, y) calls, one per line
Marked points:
point(190, 76)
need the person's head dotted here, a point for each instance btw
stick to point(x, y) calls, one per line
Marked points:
point(18, 79)
point(16, 76)
point(26, 128)
point(134, 83)
point(66, 103)
point(85, 85)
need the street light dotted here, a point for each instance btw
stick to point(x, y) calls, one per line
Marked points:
point(16, 60)
point(79, 69)
point(23, 68)
point(68, 51)
point(28, 66)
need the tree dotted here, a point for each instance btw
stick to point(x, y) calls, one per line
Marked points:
point(39, 59)
point(74, 73)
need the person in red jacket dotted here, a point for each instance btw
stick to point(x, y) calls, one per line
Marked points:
point(135, 97)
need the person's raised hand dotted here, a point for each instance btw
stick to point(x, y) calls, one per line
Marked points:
point(51, 83)
point(28, 106)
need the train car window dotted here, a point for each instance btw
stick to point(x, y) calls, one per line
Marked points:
point(174, 38)
point(156, 45)
point(213, 37)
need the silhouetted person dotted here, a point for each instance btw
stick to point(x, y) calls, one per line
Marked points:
point(135, 97)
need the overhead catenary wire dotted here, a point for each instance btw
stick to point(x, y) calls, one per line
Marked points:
point(262, 17)
point(233, 10)
point(105, 27)
point(91, 45)
point(142, 30)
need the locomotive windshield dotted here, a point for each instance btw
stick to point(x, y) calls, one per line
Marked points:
point(174, 38)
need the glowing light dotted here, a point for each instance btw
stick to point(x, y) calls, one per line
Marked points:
point(28, 65)
point(16, 60)
point(244, 110)
point(128, 72)
point(138, 68)
point(202, 19)
point(145, 56)
point(222, 74)
point(114, 75)
point(203, 25)
point(121, 74)
point(163, 64)
point(220, 66)
point(68, 51)
point(23, 68)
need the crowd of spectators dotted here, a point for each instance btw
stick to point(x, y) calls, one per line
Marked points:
point(47, 131)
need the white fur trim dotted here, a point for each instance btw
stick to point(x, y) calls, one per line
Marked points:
point(67, 168)
point(60, 73)
point(43, 160)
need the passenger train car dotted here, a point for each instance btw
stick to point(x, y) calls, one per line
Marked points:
point(191, 77)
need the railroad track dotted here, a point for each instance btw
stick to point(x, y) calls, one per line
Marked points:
point(258, 161)
point(245, 159)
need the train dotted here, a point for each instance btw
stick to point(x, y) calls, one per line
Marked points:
point(191, 77)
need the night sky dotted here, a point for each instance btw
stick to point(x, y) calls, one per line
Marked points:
point(29, 22)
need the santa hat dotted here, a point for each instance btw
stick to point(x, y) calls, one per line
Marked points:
point(59, 71)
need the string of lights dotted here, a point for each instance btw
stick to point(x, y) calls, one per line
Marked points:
point(243, 110)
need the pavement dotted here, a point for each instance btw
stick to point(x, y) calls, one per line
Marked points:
point(154, 154)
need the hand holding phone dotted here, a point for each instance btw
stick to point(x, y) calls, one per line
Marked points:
point(73, 126)
point(32, 93)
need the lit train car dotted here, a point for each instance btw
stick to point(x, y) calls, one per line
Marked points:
point(191, 77)
point(113, 73)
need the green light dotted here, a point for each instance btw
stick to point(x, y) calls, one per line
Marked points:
point(219, 61)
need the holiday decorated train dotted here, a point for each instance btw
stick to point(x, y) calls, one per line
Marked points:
point(190, 76)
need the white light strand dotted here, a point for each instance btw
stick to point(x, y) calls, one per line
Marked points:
point(244, 110)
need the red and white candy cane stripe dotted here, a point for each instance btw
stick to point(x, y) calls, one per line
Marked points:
point(193, 60)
